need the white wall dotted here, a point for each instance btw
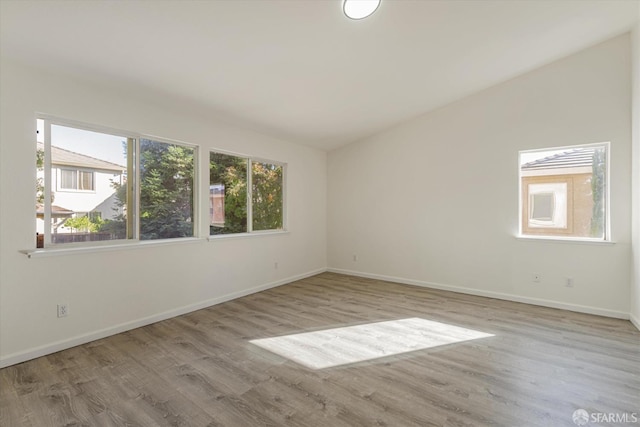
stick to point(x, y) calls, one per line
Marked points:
point(112, 291)
point(635, 279)
point(434, 201)
point(431, 202)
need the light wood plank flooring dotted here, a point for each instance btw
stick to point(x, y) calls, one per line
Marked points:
point(201, 370)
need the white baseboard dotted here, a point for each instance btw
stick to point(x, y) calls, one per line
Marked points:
point(49, 348)
point(43, 350)
point(635, 321)
point(490, 294)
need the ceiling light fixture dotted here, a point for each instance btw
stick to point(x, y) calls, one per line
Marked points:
point(358, 9)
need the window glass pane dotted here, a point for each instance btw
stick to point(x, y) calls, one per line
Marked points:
point(40, 183)
point(564, 191)
point(598, 193)
point(227, 194)
point(68, 179)
point(542, 207)
point(85, 180)
point(266, 179)
point(166, 190)
point(103, 160)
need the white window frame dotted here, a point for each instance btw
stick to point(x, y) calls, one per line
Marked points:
point(607, 197)
point(133, 165)
point(77, 172)
point(250, 160)
point(558, 192)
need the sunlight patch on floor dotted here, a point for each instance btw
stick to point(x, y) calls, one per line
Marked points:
point(341, 346)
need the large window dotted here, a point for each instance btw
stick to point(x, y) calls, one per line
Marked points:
point(100, 185)
point(241, 202)
point(564, 192)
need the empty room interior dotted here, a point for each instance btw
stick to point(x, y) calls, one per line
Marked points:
point(319, 213)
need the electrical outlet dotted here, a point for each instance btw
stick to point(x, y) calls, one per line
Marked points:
point(536, 277)
point(275, 265)
point(568, 282)
point(355, 257)
point(63, 310)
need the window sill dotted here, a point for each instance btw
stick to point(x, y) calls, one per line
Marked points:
point(59, 251)
point(215, 237)
point(559, 239)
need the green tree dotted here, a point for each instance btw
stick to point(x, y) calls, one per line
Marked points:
point(231, 173)
point(266, 196)
point(166, 194)
point(117, 226)
point(599, 167)
point(84, 223)
point(166, 190)
point(40, 181)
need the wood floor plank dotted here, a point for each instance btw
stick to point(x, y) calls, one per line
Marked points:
point(201, 369)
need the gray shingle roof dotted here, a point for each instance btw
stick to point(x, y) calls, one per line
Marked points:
point(56, 211)
point(579, 157)
point(62, 157)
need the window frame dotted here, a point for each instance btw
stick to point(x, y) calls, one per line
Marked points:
point(542, 229)
point(195, 200)
point(78, 173)
point(522, 204)
point(133, 186)
point(542, 221)
point(249, 196)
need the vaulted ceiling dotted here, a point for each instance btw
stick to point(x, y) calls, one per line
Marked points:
point(299, 69)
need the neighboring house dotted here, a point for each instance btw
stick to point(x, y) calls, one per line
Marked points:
point(216, 205)
point(557, 194)
point(81, 185)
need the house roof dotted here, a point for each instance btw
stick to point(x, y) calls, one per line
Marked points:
point(579, 157)
point(62, 157)
point(56, 211)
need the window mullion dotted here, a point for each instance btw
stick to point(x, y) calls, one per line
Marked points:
point(47, 182)
point(133, 188)
point(195, 194)
point(249, 196)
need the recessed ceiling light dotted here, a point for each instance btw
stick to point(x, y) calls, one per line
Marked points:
point(358, 9)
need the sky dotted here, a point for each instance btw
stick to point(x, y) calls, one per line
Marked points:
point(99, 145)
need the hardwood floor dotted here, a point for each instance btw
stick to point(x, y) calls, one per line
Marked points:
point(200, 369)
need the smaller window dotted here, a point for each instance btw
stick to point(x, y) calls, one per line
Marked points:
point(548, 205)
point(242, 202)
point(542, 207)
point(74, 179)
point(564, 192)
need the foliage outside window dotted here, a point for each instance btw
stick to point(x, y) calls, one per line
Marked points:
point(266, 196)
point(227, 194)
point(127, 187)
point(240, 202)
point(564, 192)
point(166, 190)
